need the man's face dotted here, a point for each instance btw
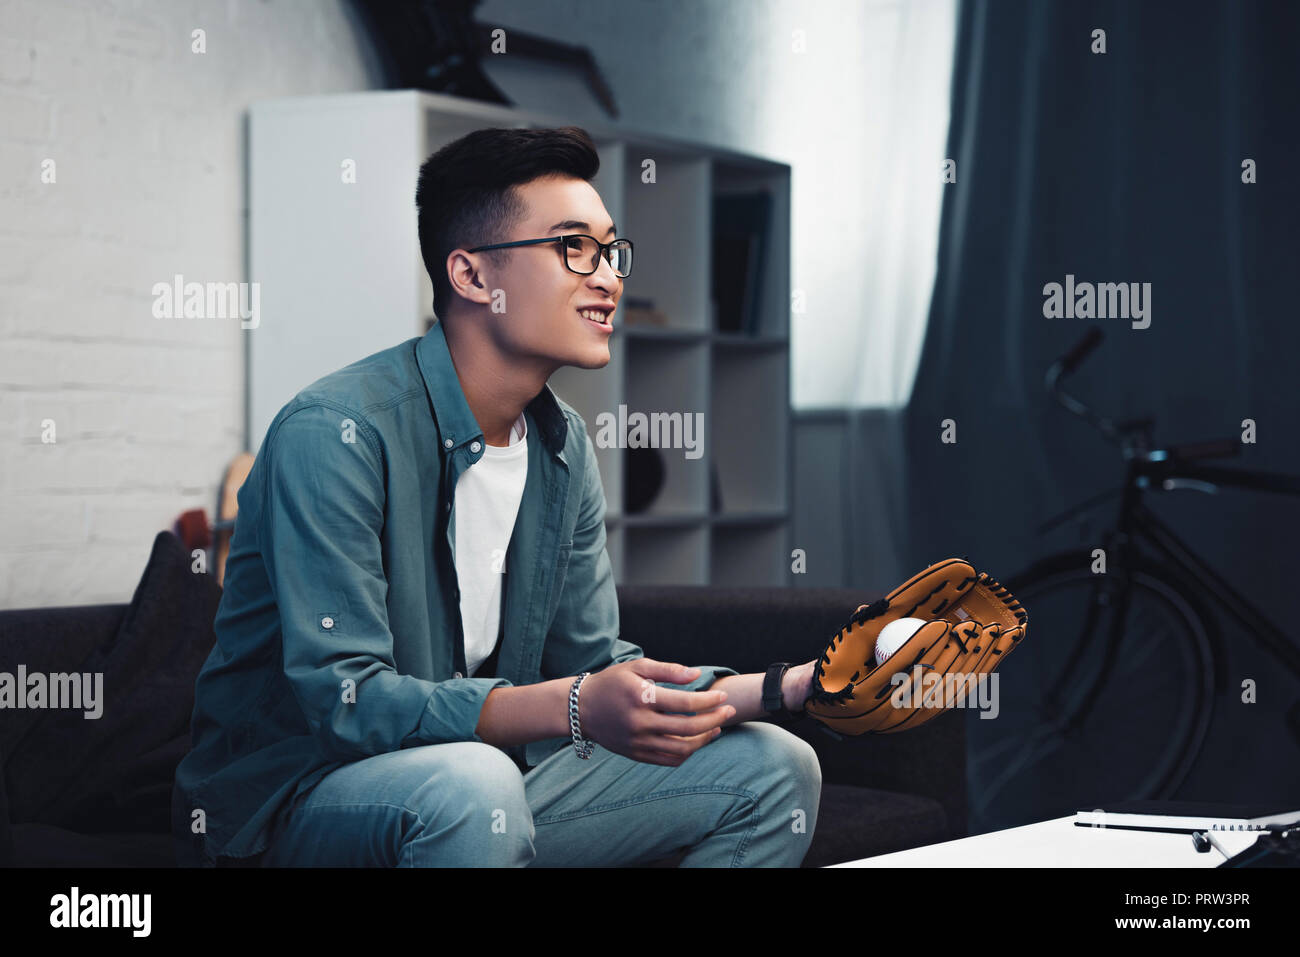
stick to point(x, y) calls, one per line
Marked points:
point(542, 296)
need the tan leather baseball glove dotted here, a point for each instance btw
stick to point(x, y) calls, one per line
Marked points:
point(972, 624)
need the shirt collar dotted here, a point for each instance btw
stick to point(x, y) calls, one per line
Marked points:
point(451, 413)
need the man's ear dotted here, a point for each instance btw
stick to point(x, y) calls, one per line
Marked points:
point(464, 265)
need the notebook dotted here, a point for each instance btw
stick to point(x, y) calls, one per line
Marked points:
point(1186, 816)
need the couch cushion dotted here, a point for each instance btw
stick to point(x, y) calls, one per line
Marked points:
point(46, 640)
point(114, 773)
point(854, 822)
point(43, 845)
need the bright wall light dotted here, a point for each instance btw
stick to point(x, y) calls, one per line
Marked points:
point(862, 117)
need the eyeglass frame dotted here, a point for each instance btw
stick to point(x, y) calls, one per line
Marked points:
point(600, 252)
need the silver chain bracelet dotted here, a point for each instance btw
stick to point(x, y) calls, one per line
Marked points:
point(582, 745)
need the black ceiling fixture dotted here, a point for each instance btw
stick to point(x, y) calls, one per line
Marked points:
point(437, 45)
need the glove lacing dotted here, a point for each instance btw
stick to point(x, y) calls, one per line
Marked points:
point(817, 692)
point(1016, 608)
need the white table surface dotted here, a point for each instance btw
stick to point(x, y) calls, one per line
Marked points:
point(1060, 843)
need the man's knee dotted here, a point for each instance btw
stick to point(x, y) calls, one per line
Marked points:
point(477, 788)
point(768, 747)
point(471, 776)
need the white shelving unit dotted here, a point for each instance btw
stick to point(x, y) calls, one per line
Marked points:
point(341, 277)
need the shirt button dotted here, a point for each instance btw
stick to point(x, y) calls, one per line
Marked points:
point(474, 446)
point(458, 675)
point(447, 443)
point(327, 622)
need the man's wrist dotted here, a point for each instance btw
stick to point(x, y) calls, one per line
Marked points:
point(796, 684)
point(563, 687)
point(582, 744)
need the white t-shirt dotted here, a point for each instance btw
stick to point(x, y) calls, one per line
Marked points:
point(486, 504)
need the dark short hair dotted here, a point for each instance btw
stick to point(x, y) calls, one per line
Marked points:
point(466, 195)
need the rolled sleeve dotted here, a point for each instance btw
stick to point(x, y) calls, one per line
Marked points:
point(324, 516)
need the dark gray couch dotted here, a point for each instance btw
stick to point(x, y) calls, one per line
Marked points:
point(86, 793)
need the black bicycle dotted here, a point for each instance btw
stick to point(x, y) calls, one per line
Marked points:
point(1111, 696)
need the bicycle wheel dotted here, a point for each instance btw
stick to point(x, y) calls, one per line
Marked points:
point(1133, 736)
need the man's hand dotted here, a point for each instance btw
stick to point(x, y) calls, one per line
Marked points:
point(622, 709)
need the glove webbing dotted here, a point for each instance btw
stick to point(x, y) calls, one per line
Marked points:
point(874, 610)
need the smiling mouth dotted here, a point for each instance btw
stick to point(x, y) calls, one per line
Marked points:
point(596, 316)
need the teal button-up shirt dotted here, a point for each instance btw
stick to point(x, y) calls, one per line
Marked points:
point(339, 632)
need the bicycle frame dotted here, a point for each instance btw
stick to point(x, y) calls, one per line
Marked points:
point(1138, 522)
point(1149, 469)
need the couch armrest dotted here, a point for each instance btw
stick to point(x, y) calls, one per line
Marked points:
point(50, 640)
point(749, 628)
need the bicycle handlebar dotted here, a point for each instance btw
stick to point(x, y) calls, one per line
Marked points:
point(1117, 432)
point(1065, 365)
point(1080, 351)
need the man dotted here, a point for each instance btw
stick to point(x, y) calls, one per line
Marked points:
point(417, 658)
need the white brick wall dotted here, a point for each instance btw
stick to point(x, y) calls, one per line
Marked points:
point(148, 142)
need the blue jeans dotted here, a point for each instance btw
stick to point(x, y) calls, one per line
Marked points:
point(749, 798)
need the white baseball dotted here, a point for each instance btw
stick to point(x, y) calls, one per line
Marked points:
point(893, 636)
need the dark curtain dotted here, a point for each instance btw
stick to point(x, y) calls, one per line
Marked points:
point(1121, 167)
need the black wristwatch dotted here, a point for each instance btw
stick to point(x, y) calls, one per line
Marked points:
point(772, 703)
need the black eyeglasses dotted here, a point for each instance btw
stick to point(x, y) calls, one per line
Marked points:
point(581, 252)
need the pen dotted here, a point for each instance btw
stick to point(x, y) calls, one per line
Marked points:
point(1204, 840)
